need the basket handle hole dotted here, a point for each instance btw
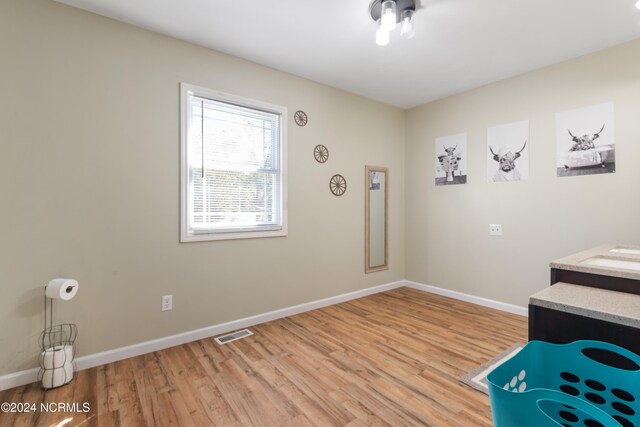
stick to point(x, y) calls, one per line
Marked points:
point(610, 358)
point(560, 413)
point(583, 414)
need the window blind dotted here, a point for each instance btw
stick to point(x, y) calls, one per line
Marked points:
point(234, 167)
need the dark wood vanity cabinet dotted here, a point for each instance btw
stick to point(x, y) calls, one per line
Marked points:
point(588, 303)
point(560, 327)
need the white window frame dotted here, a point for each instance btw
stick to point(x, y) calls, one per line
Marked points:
point(187, 235)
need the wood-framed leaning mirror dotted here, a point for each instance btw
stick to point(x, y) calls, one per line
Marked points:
point(376, 213)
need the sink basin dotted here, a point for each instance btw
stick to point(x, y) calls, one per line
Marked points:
point(601, 261)
point(626, 251)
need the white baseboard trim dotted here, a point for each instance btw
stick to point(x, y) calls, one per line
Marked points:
point(503, 306)
point(17, 379)
point(85, 362)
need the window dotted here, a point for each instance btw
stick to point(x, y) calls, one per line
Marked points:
point(233, 173)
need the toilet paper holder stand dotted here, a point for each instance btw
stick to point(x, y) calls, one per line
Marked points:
point(57, 345)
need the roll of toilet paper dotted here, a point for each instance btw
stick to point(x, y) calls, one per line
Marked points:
point(53, 378)
point(63, 289)
point(56, 357)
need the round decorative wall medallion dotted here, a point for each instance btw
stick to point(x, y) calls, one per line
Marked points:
point(321, 153)
point(300, 117)
point(338, 185)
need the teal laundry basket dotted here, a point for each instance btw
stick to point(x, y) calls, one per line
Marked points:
point(584, 383)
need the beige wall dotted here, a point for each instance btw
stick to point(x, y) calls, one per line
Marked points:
point(543, 218)
point(89, 184)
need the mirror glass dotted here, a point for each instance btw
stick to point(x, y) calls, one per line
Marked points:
point(376, 214)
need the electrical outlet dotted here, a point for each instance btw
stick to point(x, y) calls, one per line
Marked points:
point(495, 229)
point(167, 302)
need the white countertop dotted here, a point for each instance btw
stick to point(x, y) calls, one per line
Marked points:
point(602, 304)
point(613, 252)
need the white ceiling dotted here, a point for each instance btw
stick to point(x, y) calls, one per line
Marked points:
point(459, 44)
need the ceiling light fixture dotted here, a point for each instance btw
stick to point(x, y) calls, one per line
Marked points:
point(382, 36)
point(407, 30)
point(638, 5)
point(388, 13)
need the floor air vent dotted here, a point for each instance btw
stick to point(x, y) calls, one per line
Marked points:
point(224, 339)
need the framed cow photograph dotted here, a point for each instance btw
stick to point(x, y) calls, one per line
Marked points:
point(451, 159)
point(508, 152)
point(585, 141)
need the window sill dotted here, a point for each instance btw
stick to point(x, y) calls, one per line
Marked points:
point(233, 235)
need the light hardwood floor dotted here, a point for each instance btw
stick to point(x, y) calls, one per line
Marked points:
point(392, 358)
